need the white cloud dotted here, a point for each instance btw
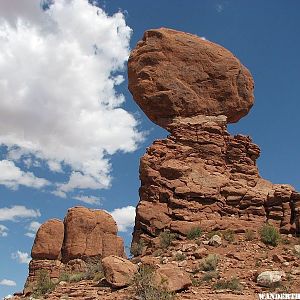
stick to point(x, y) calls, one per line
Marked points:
point(7, 282)
point(18, 212)
point(8, 297)
point(88, 199)
point(12, 176)
point(58, 77)
point(21, 257)
point(124, 217)
point(32, 229)
point(3, 230)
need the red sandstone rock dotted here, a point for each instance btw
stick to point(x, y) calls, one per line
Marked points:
point(90, 233)
point(48, 240)
point(175, 74)
point(118, 271)
point(200, 176)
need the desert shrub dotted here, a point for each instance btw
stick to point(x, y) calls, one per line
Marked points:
point(194, 233)
point(209, 263)
point(232, 284)
point(94, 269)
point(43, 284)
point(136, 249)
point(146, 289)
point(71, 277)
point(208, 276)
point(180, 256)
point(269, 235)
point(157, 252)
point(249, 235)
point(166, 238)
point(229, 235)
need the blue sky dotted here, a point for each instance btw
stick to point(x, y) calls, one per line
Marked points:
point(47, 107)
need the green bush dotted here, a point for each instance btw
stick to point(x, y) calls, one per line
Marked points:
point(136, 249)
point(208, 276)
point(209, 263)
point(232, 284)
point(229, 235)
point(249, 235)
point(166, 238)
point(269, 235)
point(146, 289)
point(44, 284)
point(194, 233)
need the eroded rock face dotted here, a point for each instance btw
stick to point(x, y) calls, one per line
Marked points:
point(200, 175)
point(175, 74)
point(68, 246)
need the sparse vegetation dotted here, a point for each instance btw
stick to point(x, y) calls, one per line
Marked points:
point(145, 287)
point(166, 238)
point(137, 248)
point(209, 263)
point(43, 284)
point(94, 270)
point(269, 235)
point(208, 276)
point(249, 235)
point(229, 235)
point(180, 257)
point(194, 233)
point(232, 284)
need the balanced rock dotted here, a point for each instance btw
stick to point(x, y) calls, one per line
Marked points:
point(200, 175)
point(175, 74)
point(48, 241)
point(118, 271)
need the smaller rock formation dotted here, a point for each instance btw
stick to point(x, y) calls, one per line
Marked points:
point(270, 278)
point(118, 271)
point(173, 278)
point(67, 246)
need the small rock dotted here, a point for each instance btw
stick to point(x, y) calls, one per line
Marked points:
point(200, 252)
point(189, 247)
point(215, 240)
point(182, 263)
point(278, 258)
point(297, 249)
point(269, 278)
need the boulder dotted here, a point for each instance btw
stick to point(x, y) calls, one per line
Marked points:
point(269, 278)
point(90, 233)
point(48, 241)
point(172, 278)
point(118, 271)
point(175, 74)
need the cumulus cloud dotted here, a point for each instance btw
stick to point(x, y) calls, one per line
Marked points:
point(18, 212)
point(3, 230)
point(92, 200)
point(59, 69)
point(124, 217)
point(219, 7)
point(7, 282)
point(32, 229)
point(12, 176)
point(21, 257)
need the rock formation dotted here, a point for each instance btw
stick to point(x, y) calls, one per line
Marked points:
point(200, 175)
point(66, 246)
